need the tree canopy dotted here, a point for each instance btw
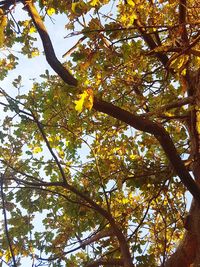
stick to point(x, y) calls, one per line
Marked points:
point(96, 159)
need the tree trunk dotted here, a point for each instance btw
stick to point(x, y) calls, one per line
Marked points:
point(194, 215)
point(188, 251)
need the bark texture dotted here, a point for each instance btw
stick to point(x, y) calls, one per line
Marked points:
point(188, 251)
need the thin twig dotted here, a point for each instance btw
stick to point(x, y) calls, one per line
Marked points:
point(6, 221)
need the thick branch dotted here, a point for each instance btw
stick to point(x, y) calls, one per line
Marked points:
point(186, 50)
point(182, 20)
point(48, 47)
point(5, 5)
point(151, 43)
point(160, 134)
point(176, 104)
point(185, 254)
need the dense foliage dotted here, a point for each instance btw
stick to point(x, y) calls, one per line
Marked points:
point(96, 160)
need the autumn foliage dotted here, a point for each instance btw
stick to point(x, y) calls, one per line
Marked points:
point(100, 160)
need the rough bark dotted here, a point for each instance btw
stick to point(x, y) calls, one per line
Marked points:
point(188, 251)
point(188, 248)
point(194, 86)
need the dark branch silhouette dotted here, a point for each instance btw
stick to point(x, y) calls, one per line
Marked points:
point(6, 221)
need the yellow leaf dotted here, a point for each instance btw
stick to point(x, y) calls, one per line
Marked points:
point(25, 23)
point(32, 29)
point(3, 21)
point(2, 37)
point(8, 255)
point(133, 16)
point(94, 2)
point(51, 11)
point(130, 3)
point(35, 53)
point(74, 7)
point(125, 201)
point(67, 143)
point(181, 62)
point(169, 114)
point(198, 122)
point(183, 72)
point(79, 103)
point(61, 153)
point(90, 99)
point(37, 149)
point(50, 139)
point(85, 100)
point(133, 157)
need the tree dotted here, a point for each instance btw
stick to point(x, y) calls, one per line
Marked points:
point(128, 97)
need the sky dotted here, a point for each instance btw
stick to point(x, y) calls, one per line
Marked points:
point(32, 68)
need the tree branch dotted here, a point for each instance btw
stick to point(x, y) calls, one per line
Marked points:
point(48, 47)
point(38, 184)
point(175, 104)
point(186, 49)
point(185, 253)
point(182, 20)
point(151, 43)
point(104, 233)
point(145, 125)
point(5, 5)
point(6, 223)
